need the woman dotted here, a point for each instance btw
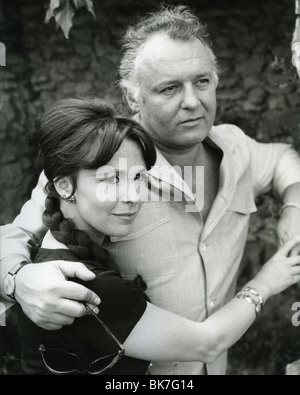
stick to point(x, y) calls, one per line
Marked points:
point(96, 163)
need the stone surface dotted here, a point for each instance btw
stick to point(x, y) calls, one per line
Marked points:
point(258, 87)
point(258, 90)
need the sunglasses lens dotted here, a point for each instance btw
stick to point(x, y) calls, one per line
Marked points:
point(61, 361)
point(104, 363)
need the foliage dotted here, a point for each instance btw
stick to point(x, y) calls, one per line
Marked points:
point(63, 12)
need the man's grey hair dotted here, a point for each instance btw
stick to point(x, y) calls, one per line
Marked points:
point(178, 22)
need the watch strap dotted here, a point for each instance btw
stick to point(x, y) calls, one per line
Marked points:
point(13, 272)
point(17, 267)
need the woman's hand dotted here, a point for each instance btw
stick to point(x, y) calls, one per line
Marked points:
point(48, 299)
point(280, 272)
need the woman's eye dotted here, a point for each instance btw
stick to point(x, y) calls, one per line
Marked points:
point(114, 179)
point(140, 177)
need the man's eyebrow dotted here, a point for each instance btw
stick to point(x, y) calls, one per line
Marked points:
point(203, 74)
point(166, 82)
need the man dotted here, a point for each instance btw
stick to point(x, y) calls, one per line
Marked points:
point(189, 250)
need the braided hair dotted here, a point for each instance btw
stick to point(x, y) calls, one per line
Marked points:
point(77, 241)
point(76, 134)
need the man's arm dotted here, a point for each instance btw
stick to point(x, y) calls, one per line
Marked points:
point(48, 299)
point(276, 167)
point(15, 237)
point(42, 290)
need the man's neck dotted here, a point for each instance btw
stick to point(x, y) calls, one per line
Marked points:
point(178, 157)
point(184, 157)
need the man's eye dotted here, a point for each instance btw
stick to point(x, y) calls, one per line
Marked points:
point(169, 89)
point(203, 82)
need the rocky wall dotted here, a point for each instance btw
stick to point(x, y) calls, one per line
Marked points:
point(258, 91)
point(258, 87)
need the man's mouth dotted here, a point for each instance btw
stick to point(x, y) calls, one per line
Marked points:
point(191, 121)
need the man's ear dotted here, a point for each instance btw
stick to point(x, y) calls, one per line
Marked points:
point(63, 186)
point(132, 101)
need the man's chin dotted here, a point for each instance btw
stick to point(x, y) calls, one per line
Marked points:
point(190, 141)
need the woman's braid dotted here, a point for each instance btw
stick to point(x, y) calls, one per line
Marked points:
point(77, 241)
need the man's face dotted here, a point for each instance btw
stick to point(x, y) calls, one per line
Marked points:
point(177, 92)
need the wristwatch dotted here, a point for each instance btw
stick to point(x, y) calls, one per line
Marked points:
point(9, 284)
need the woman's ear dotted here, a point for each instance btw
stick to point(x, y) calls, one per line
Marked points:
point(63, 186)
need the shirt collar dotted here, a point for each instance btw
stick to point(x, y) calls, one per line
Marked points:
point(165, 172)
point(221, 141)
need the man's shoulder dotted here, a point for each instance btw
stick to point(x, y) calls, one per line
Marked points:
point(227, 132)
point(229, 136)
point(228, 127)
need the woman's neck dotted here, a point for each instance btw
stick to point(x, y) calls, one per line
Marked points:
point(50, 242)
point(70, 212)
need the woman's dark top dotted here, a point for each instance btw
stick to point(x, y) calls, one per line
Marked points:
point(122, 305)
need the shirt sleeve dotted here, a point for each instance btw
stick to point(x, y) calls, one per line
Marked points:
point(275, 166)
point(287, 171)
point(30, 217)
point(122, 305)
point(15, 237)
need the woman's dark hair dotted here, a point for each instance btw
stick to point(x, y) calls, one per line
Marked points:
point(77, 134)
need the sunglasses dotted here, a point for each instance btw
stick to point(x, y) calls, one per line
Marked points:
point(56, 360)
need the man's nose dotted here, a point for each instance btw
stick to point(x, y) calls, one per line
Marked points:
point(191, 98)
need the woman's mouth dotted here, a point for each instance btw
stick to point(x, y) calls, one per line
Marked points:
point(126, 216)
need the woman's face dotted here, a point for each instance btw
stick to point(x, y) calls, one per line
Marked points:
point(108, 199)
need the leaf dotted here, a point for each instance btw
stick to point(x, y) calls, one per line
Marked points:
point(85, 3)
point(50, 11)
point(79, 3)
point(90, 7)
point(64, 18)
point(63, 12)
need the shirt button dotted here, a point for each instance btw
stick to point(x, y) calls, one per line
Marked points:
point(203, 247)
point(211, 304)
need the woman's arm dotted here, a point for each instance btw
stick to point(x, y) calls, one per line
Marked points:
point(163, 336)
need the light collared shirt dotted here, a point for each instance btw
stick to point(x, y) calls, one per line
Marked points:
point(190, 267)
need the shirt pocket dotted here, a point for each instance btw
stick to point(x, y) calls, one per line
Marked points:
point(237, 222)
point(150, 249)
point(243, 201)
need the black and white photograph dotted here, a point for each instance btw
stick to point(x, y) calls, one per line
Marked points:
point(150, 190)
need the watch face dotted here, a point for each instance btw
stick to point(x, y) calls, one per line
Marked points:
point(9, 285)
